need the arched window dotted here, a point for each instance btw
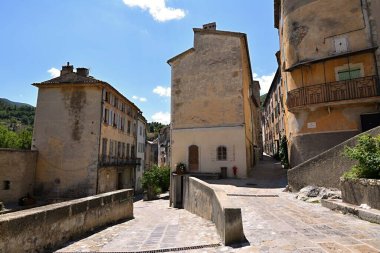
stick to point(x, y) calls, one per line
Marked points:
point(221, 153)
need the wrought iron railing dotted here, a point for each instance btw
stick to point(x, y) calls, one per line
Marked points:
point(106, 160)
point(363, 87)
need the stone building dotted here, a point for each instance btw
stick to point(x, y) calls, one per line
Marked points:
point(85, 135)
point(329, 63)
point(273, 117)
point(214, 104)
point(141, 150)
point(163, 142)
point(151, 154)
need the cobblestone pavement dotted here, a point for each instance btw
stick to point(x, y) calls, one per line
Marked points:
point(155, 226)
point(273, 221)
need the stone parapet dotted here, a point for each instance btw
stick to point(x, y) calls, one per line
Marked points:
point(325, 169)
point(46, 228)
point(213, 204)
point(361, 191)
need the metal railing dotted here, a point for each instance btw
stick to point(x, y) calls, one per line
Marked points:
point(106, 160)
point(363, 87)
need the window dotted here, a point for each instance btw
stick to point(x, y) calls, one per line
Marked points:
point(7, 185)
point(140, 131)
point(119, 149)
point(221, 153)
point(348, 74)
point(129, 127)
point(106, 115)
point(132, 151)
point(341, 45)
point(110, 153)
point(104, 146)
point(127, 150)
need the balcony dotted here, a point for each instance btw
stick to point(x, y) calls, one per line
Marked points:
point(106, 160)
point(364, 87)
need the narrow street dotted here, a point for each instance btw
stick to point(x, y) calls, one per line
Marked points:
point(274, 221)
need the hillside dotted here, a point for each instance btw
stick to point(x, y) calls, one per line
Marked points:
point(16, 116)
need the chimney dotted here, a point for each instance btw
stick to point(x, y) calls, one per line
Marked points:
point(67, 69)
point(83, 72)
point(210, 26)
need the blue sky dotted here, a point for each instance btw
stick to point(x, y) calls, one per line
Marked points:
point(123, 42)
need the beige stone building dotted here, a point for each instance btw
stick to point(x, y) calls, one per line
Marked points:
point(85, 135)
point(141, 151)
point(214, 104)
point(329, 60)
point(273, 113)
point(164, 149)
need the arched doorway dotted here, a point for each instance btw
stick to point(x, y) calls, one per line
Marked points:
point(193, 158)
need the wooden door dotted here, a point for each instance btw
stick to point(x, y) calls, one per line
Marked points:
point(193, 158)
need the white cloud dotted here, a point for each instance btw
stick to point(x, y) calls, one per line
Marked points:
point(162, 91)
point(54, 72)
point(162, 117)
point(157, 9)
point(265, 82)
point(141, 99)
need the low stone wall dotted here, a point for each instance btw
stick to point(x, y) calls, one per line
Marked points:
point(325, 169)
point(46, 228)
point(213, 204)
point(17, 173)
point(361, 191)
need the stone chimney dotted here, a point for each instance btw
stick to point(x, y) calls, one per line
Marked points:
point(210, 26)
point(67, 69)
point(83, 72)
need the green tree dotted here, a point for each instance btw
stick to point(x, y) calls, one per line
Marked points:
point(367, 155)
point(24, 140)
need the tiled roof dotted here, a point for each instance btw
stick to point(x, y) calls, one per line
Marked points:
point(71, 78)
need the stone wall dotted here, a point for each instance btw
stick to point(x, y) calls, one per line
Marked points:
point(324, 169)
point(361, 191)
point(17, 173)
point(46, 228)
point(213, 204)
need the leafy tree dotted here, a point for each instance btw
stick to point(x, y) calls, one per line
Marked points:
point(283, 152)
point(367, 155)
point(25, 139)
point(10, 139)
point(156, 180)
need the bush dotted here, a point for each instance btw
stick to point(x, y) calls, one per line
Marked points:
point(283, 152)
point(157, 179)
point(367, 155)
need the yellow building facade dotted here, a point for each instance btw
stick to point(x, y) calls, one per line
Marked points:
point(214, 105)
point(329, 72)
point(85, 135)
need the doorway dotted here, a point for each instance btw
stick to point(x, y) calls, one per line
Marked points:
point(369, 121)
point(193, 158)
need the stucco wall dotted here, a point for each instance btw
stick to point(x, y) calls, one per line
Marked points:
point(207, 140)
point(374, 20)
point(314, 130)
point(46, 228)
point(325, 169)
point(66, 135)
point(18, 167)
point(207, 83)
point(310, 28)
point(213, 204)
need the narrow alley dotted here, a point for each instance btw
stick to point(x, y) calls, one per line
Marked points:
point(273, 220)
